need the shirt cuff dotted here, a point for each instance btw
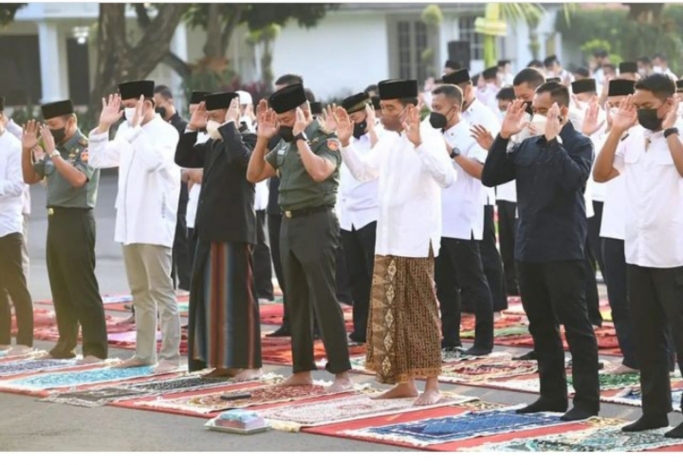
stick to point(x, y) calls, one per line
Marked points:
point(189, 131)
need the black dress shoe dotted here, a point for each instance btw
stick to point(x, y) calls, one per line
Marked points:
point(357, 339)
point(528, 356)
point(280, 332)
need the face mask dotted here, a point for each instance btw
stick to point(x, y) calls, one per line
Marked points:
point(359, 129)
point(657, 69)
point(437, 120)
point(642, 72)
point(129, 113)
point(648, 119)
point(58, 134)
point(529, 108)
point(212, 130)
point(539, 122)
point(161, 111)
point(287, 133)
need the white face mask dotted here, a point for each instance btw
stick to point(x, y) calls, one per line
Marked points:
point(539, 122)
point(657, 69)
point(129, 113)
point(212, 130)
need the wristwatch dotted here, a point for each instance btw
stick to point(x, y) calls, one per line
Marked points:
point(55, 154)
point(455, 153)
point(670, 131)
point(300, 136)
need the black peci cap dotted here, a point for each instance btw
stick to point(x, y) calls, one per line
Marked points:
point(219, 101)
point(356, 102)
point(679, 86)
point(628, 67)
point(316, 108)
point(621, 87)
point(584, 85)
point(490, 73)
point(397, 89)
point(459, 77)
point(55, 109)
point(287, 99)
point(134, 89)
point(452, 64)
point(198, 97)
point(554, 79)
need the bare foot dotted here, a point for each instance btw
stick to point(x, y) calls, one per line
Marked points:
point(19, 350)
point(298, 379)
point(248, 375)
point(166, 367)
point(89, 360)
point(400, 391)
point(342, 383)
point(132, 363)
point(429, 397)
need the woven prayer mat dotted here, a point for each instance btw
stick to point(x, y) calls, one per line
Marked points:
point(207, 402)
point(632, 396)
point(354, 407)
point(106, 395)
point(44, 383)
point(20, 367)
point(607, 439)
point(6, 358)
point(480, 371)
point(396, 432)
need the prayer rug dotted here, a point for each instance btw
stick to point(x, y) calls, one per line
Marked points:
point(633, 397)
point(481, 370)
point(442, 430)
point(280, 353)
point(610, 439)
point(183, 383)
point(312, 414)
point(46, 382)
point(207, 403)
point(33, 366)
point(95, 397)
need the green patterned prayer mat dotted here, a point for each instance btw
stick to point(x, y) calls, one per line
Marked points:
point(609, 439)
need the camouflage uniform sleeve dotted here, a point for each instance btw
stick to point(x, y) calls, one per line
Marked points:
point(81, 161)
point(329, 148)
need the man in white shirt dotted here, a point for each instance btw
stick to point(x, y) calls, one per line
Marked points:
point(660, 65)
point(652, 165)
point(12, 275)
point(358, 212)
point(491, 87)
point(459, 264)
point(505, 71)
point(413, 167)
point(146, 204)
point(554, 69)
point(478, 114)
point(612, 229)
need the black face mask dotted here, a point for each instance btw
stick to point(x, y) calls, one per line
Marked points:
point(648, 119)
point(58, 134)
point(161, 111)
point(529, 109)
point(437, 120)
point(359, 129)
point(287, 133)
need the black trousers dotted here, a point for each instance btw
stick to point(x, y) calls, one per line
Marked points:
point(191, 246)
point(592, 294)
point(263, 270)
point(655, 306)
point(493, 265)
point(308, 250)
point(13, 282)
point(617, 293)
point(459, 266)
point(181, 270)
point(75, 291)
point(359, 250)
point(594, 242)
point(506, 239)
point(344, 291)
point(553, 293)
point(274, 226)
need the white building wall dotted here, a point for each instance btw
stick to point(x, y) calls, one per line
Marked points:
point(342, 55)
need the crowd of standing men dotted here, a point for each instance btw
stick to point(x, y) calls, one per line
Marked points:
point(583, 171)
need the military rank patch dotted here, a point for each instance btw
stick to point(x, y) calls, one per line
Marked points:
point(333, 144)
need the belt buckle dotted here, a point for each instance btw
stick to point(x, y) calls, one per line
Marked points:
point(288, 214)
point(50, 211)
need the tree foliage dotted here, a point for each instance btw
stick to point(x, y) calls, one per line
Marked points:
point(7, 12)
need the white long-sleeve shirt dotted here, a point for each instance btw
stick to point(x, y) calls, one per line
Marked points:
point(149, 180)
point(409, 192)
point(479, 114)
point(16, 130)
point(358, 201)
point(12, 185)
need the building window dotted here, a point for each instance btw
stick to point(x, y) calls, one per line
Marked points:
point(410, 39)
point(466, 27)
point(20, 77)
